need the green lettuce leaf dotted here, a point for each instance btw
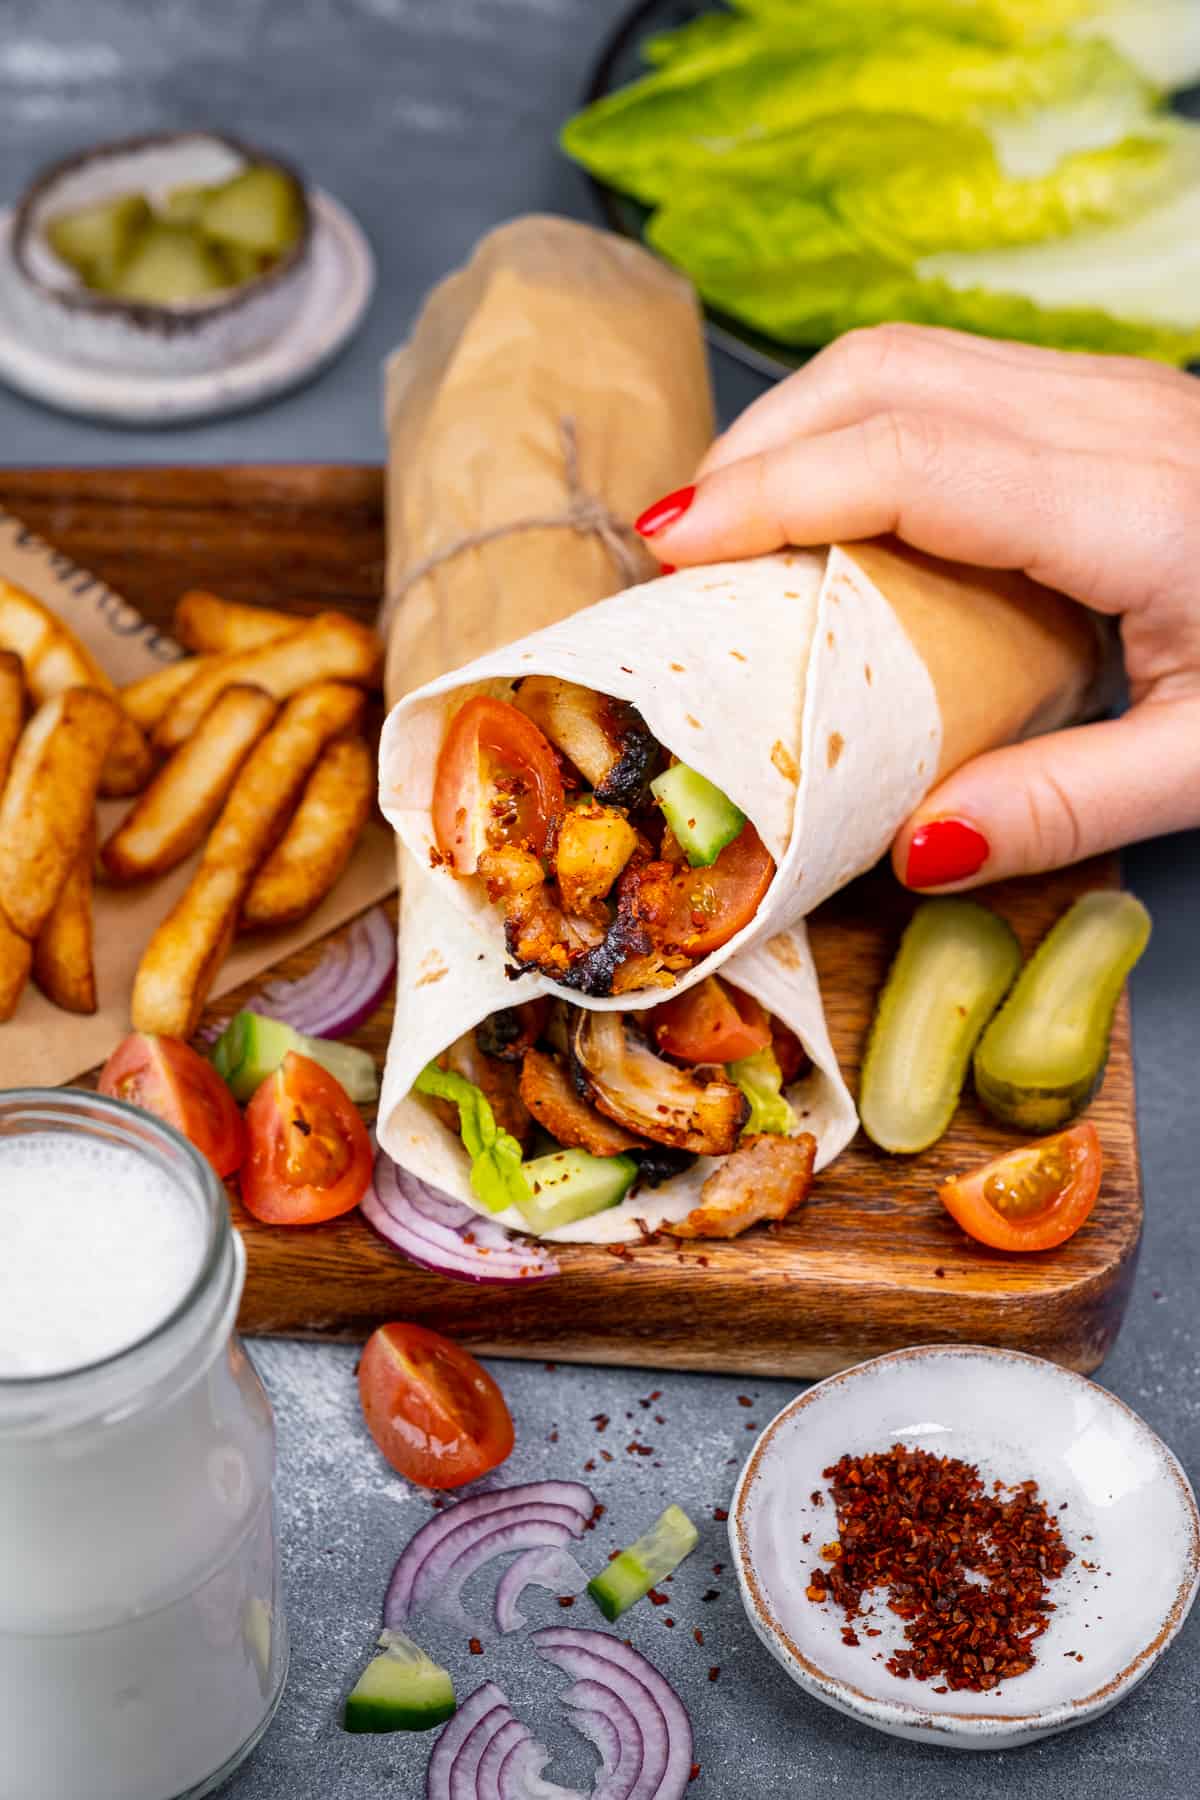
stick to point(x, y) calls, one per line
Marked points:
point(497, 1178)
point(761, 1080)
point(700, 118)
point(873, 224)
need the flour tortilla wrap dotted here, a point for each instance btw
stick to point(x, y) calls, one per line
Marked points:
point(823, 692)
point(447, 982)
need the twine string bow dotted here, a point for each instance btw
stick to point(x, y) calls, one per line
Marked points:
point(584, 512)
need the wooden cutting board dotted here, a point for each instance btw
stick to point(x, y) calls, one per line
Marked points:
point(870, 1264)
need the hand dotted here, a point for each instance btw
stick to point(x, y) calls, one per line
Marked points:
point(1082, 470)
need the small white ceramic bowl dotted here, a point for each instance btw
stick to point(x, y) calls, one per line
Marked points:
point(1130, 1514)
point(59, 314)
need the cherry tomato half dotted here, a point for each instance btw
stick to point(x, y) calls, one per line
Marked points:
point(711, 1023)
point(708, 906)
point(436, 1415)
point(1032, 1198)
point(166, 1077)
point(497, 781)
point(310, 1156)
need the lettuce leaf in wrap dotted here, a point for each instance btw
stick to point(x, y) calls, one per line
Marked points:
point(496, 1177)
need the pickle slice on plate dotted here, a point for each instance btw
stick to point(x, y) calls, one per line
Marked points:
point(1042, 1057)
point(183, 205)
point(168, 264)
point(99, 236)
point(259, 209)
point(955, 964)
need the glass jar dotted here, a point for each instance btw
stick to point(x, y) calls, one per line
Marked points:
point(142, 1645)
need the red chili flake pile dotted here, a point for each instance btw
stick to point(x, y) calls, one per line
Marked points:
point(969, 1570)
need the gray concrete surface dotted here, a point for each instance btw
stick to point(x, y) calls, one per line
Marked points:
point(434, 121)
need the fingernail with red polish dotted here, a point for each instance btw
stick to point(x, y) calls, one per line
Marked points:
point(667, 568)
point(943, 851)
point(665, 512)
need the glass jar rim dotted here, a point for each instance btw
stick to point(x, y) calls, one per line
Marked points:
point(133, 1128)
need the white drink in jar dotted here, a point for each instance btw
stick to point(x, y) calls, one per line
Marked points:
point(141, 1647)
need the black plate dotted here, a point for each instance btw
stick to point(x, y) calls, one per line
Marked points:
point(619, 64)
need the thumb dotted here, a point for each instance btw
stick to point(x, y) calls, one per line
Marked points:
point(1054, 800)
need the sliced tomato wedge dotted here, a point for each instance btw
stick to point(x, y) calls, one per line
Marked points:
point(711, 1023)
point(166, 1077)
point(1032, 1198)
point(436, 1415)
point(709, 906)
point(497, 782)
point(309, 1156)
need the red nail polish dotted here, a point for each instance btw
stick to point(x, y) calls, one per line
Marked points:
point(667, 568)
point(665, 512)
point(943, 851)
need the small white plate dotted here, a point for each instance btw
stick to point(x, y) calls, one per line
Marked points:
point(340, 285)
point(1130, 1514)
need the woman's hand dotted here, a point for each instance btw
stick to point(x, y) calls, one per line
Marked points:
point(1082, 470)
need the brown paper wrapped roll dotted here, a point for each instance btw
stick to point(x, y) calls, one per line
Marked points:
point(549, 322)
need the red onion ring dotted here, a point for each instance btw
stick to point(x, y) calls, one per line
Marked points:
point(521, 1532)
point(464, 1770)
point(547, 1567)
point(343, 988)
point(483, 1703)
point(521, 1775)
point(487, 1779)
point(416, 1220)
point(534, 1495)
point(662, 1719)
point(588, 1701)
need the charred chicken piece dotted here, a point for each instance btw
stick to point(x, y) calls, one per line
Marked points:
point(657, 1164)
point(508, 1034)
point(594, 844)
point(550, 1095)
point(767, 1177)
point(627, 957)
point(498, 1081)
point(687, 1109)
point(536, 930)
point(790, 1054)
point(606, 739)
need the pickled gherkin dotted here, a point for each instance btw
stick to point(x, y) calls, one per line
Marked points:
point(955, 964)
point(1042, 1057)
point(98, 237)
point(259, 210)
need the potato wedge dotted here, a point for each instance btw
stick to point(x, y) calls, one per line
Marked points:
point(16, 957)
point(148, 699)
point(171, 817)
point(55, 660)
point(46, 808)
point(12, 708)
point(183, 957)
point(329, 648)
point(63, 961)
point(204, 621)
point(317, 844)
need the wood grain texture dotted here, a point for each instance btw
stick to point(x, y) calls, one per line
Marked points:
point(872, 1263)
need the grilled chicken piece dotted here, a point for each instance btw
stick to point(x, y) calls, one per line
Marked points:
point(499, 1082)
point(606, 739)
point(547, 1091)
point(767, 1177)
point(594, 845)
point(513, 1030)
point(685, 1108)
point(537, 932)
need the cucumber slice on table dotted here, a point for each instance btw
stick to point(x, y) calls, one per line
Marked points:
point(402, 1689)
point(570, 1184)
point(1042, 1057)
point(702, 818)
point(650, 1560)
point(99, 236)
point(252, 1047)
point(258, 209)
point(955, 964)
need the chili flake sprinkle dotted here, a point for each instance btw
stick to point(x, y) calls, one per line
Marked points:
point(968, 1570)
